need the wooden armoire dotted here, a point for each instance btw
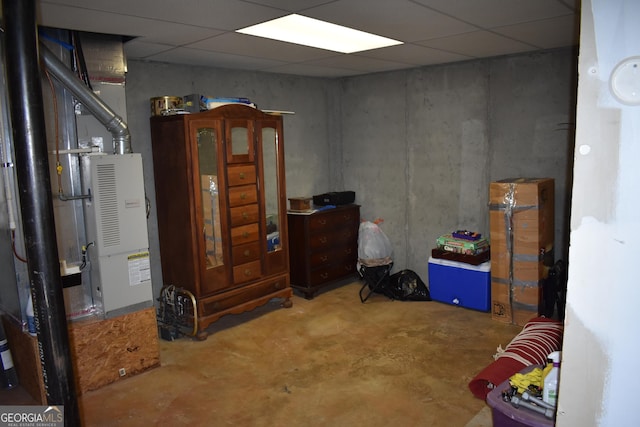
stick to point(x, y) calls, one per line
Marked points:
point(221, 206)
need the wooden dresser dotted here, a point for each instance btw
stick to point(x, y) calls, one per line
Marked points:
point(323, 247)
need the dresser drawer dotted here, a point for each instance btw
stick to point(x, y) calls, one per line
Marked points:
point(244, 234)
point(247, 272)
point(242, 254)
point(329, 239)
point(243, 195)
point(338, 255)
point(243, 215)
point(246, 293)
point(332, 220)
point(241, 175)
point(323, 274)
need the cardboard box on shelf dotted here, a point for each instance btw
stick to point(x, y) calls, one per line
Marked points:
point(521, 222)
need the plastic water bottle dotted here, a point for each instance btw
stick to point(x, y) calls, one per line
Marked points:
point(550, 382)
point(31, 321)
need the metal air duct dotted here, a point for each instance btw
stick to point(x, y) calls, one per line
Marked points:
point(101, 111)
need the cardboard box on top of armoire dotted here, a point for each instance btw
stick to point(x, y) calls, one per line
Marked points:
point(521, 219)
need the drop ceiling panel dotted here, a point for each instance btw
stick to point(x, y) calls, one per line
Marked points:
point(545, 34)
point(398, 19)
point(479, 44)
point(124, 25)
point(201, 32)
point(137, 48)
point(216, 14)
point(296, 6)
point(183, 55)
point(361, 63)
point(242, 44)
point(494, 13)
point(414, 55)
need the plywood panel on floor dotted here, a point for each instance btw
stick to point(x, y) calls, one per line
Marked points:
point(101, 348)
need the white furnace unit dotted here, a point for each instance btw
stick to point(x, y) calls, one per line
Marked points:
point(118, 242)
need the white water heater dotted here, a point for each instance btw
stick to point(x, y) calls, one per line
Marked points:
point(118, 241)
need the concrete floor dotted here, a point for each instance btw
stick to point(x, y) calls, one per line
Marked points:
point(327, 361)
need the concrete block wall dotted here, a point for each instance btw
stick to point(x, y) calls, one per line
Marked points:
point(419, 147)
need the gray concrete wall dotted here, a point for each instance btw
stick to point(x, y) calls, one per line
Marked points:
point(374, 144)
point(418, 147)
point(421, 147)
point(532, 125)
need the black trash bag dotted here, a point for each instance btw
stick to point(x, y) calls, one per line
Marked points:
point(406, 285)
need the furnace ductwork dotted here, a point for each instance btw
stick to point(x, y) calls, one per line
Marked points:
point(102, 112)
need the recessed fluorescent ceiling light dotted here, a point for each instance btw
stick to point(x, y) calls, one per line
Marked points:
point(299, 29)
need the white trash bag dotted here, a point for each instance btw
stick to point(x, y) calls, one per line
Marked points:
point(374, 247)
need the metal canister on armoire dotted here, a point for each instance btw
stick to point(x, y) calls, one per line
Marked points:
point(161, 105)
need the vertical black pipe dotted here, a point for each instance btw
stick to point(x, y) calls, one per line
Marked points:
point(32, 167)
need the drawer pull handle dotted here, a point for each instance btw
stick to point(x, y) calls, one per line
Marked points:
point(247, 272)
point(245, 234)
point(247, 253)
point(245, 215)
point(322, 221)
point(243, 196)
point(323, 240)
point(324, 258)
point(324, 275)
point(241, 175)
